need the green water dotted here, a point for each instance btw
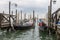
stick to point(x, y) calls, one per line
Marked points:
point(31, 34)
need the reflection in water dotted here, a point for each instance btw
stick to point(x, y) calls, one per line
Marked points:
point(45, 36)
point(31, 34)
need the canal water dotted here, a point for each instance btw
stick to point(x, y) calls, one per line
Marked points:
point(31, 34)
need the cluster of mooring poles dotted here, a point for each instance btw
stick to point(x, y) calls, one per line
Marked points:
point(50, 20)
point(15, 19)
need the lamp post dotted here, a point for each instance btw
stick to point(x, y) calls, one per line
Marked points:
point(51, 12)
point(10, 12)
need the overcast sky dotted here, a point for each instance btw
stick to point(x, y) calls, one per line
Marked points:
point(40, 6)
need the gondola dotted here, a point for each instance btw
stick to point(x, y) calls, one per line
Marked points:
point(42, 25)
point(25, 26)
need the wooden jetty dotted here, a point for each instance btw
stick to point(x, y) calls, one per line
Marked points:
point(55, 18)
point(4, 20)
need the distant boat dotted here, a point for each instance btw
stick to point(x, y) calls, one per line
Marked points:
point(42, 25)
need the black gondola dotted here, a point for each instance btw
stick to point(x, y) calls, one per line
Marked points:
point(19, 27)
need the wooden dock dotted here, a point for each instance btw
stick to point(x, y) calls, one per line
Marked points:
point(4, 19)
point(6, 22)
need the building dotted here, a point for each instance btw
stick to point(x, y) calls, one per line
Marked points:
point(56, 20)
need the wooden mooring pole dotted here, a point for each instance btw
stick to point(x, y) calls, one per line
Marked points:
point(1, 18)
point(24, 16)
point(12, 12)
point(30, 16)
point(33, 18)
point(9, 13)
point(16, 17)
point(49, 19)
point(21, 18)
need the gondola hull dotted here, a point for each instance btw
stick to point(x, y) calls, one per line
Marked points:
point(22, 27)
point(43, 28)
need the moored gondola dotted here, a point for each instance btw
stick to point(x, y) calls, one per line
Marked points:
point(25, 26)
point(42, 25)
